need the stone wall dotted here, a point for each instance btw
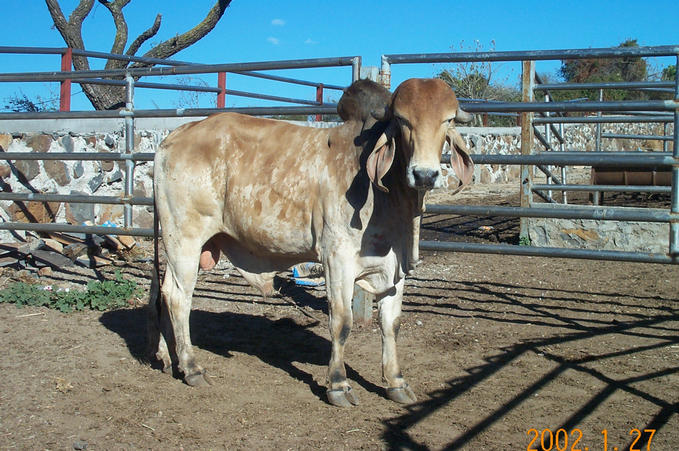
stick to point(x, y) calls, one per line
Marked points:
point(101, 178)
point(106, 178)
point(593, 234)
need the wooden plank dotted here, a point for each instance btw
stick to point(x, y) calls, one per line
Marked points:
point(362, 306)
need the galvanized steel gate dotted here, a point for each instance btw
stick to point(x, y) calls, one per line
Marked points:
point(551, 113)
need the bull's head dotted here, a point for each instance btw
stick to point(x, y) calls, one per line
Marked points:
point(423, 113)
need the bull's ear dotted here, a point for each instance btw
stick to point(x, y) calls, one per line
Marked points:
point(460, 160)
point(381, 158)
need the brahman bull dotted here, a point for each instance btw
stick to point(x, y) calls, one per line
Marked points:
point(270, 194)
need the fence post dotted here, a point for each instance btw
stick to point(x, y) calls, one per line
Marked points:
point(527, 82)
point(596, 195)
point(319, 99)
point(65, 85)
point(674, 210)
point(385, 73)
point(355, 69)
point(129, 149)
point(221, 84)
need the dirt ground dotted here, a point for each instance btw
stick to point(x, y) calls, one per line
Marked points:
point(503, 353)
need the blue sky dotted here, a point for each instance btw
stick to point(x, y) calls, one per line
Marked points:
point(278, 30)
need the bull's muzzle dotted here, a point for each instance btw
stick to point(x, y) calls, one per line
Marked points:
point(423, 178)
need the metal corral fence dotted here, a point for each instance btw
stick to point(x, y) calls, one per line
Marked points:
point(551, 113)
point(126, 78)
point(551, 116)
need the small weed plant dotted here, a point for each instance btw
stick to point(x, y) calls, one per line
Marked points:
point(106, 295)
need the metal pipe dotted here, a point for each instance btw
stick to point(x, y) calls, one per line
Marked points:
point(355, 69)
point(68, 228)
point(545, 170)
point(569, 212)
point(129, 149)
point(625, 105)
point(607, 188)
point(182, 70)
point(533, 55)
point(76, 156)
point(34, 50)
point(604, 85)
point(288, 80)
point(602, 119)
point(563, 168)
point(649, 137)
point(609, 159)
point(556, 252)
point(596, 197)
point(141, 84)
point(174, 87)
point(674, 209)
point(327, 108)
point(75, 198)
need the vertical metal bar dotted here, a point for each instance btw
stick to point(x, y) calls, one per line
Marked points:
point(674, 210)
point(65, 87)
point(355, 69)
point(564, 172)
point(129, 148)
point(665, 143)
point(548, 138)
point(319, 99)
point(221, 84)
point(527, 80)
point(596, 196)
point(385, 73)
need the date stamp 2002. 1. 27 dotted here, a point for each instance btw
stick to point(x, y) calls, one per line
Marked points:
point(573, 440)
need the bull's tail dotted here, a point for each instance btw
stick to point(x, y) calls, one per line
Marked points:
point(155, 304)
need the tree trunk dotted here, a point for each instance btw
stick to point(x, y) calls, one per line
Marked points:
point(104, 97)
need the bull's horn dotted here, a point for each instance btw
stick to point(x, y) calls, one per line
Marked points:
point(462, 116)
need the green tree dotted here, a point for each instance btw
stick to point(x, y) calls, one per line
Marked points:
point(593, 70)
point(669, 73)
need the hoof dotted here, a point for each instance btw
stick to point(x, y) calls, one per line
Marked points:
point(342, 397)
point(165, 362)
point(197, 379)
point(402, 395)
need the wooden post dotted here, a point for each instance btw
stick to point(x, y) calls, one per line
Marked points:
point(65, 88)
point(221, 95)
point(319, 99)
point(527, 81)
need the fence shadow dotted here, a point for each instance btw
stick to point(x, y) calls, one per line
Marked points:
point(396, 433)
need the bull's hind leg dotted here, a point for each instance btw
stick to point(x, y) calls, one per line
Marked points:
point(390, 322)
point(177, 290)
point(340, 288)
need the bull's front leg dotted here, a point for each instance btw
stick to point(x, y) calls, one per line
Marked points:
point(340, 287)
point(390, 321)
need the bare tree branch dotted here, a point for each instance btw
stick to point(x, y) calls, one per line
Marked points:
point(111, 97)
point(120, 40)
point(70, 30)
point(145, 36)
point(173, 45)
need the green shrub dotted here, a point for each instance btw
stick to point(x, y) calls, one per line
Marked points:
point(106, 295)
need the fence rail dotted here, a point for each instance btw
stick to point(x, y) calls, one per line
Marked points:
point(553, 113)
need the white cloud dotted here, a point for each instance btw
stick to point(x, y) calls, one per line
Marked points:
point(272, 40)
point(310, 41)
point(278, 22)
